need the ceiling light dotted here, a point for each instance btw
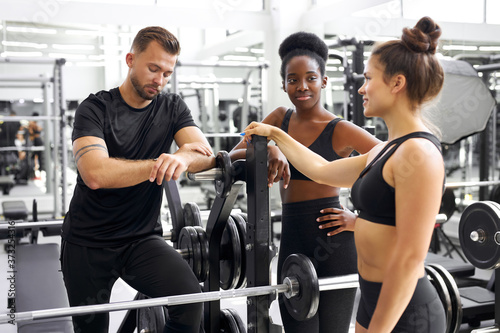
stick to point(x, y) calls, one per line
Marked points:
point(241, 49)
point(92, 33)
point(489, 48)
point(32, 30)
point(460, 47)
point(68, 56)
point(239, 58)
point(24, 44)
point(21, 54)
point(333, 62)
point(257, 51)
point(73, 47)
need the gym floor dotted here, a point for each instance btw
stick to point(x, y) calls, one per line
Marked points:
point(122, 292)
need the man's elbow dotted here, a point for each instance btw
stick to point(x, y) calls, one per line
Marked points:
point(93, 181)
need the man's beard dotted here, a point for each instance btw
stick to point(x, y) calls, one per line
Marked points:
point(140, 90)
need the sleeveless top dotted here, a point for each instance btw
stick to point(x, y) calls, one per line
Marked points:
point(371, 195)
point(321, 146)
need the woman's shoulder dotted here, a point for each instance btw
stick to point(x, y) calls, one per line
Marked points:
point(276, 116)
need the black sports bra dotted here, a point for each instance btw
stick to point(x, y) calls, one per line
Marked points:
point(371, 195)
point(321, 146)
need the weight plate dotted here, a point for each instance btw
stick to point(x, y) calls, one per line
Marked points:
point(444, 295)
point(448, 203)
point(228, 323)
point(205, 260)
point(191, 213)
point(225, 182)
point(456, 301)
point(478, 226)
point(495, 194)
point(188, 240)
point(237, 318)
point(304, 305)
point(241, 225)
point(230, 256)
point(150, 319)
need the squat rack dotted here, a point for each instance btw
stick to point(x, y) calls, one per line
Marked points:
point(52, 111)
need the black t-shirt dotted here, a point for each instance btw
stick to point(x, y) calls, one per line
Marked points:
point(111, 217)
point(8, 132)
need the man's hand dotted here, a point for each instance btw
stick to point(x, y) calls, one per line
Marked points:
point(171, 166)
point(167, 167)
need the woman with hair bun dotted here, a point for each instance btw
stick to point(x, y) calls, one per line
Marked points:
point(314, 222)
point(396, 187)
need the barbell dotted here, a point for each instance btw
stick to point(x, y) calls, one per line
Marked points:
point(300, 286)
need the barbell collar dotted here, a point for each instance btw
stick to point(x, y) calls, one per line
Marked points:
point(293, 287)
point(478, 236)
point(340, 282)
point(212, 174)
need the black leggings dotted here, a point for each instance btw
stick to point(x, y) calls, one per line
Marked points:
point(331, 256)
point(150, 266)
point(424, 313)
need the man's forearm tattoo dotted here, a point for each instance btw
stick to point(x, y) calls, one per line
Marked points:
point(82, 151)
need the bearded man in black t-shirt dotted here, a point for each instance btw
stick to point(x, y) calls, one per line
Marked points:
point(121, 140)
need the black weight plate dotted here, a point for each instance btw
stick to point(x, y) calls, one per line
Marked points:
point(225, 182)
point(188, 240)
point(444, 295)
point(304, 305)
point(205, 261)
point(191, 213)
point(242, 232)
point(485, 216)
point(495, 194)
point(150, 319)
point(228, 323)
point(237, 318)
point(448, 203)
point(456, 301)
point(230, 256)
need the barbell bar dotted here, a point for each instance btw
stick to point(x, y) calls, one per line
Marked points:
point(12, 225)
point(292, 288)
point(492, 329)
point(192, 240)
point(218, 173)
point(472, 184)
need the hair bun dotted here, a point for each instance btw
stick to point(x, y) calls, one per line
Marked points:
point(303, 40)
point(423, 37)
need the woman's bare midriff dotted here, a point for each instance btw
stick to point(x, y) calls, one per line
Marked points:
point(303, 190)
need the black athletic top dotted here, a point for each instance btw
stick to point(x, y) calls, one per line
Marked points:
point(321, 146)
point(109, 217)
point(371, 195)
